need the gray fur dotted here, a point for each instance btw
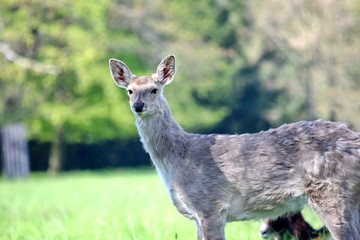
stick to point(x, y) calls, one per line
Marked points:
point(214, 179)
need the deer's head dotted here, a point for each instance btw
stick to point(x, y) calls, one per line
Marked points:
point(145, 92)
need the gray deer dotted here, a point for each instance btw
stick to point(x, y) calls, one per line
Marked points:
point(214, 179)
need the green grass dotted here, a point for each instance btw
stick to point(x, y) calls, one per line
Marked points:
point(121, 204)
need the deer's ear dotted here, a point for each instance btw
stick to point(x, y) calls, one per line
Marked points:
point(120, 73)
point(166, 70)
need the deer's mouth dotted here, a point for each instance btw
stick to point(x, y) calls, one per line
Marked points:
point(142, 113)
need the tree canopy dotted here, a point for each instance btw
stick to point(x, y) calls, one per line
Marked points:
point(243, 66)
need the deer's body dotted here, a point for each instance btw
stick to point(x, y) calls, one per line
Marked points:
point(214, 179)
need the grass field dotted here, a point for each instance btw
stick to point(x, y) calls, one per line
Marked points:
point(119, 204)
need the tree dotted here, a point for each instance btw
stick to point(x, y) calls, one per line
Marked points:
point(77, 101)
point(320, 44)
point(69, 102)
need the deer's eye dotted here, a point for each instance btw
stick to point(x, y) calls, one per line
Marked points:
point(154, 91)
point(129, 92)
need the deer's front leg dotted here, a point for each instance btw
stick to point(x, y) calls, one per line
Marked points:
point(199, 231)
point(211, 228)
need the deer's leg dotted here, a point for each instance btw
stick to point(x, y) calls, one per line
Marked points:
point(199, 231)
point(337, 210)
point(342, 226)
point(211, 228)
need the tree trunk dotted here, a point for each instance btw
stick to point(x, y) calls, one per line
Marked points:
point(56, 152)
point(309, 91)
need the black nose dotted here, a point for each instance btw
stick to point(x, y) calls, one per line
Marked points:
point(138, 107)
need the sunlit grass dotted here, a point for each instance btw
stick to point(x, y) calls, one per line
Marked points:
point(121, 204)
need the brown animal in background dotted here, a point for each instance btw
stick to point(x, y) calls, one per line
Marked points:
point(214, 179)
point(293, 225)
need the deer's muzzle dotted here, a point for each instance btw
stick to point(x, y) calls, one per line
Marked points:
point(138, 107)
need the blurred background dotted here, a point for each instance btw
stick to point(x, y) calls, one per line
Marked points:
point(242, 66)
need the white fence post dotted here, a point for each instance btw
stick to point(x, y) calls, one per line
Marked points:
point(15, 151)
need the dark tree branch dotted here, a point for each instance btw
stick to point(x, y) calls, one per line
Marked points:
point(27, 63)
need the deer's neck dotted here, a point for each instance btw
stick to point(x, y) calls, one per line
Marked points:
point(161, 136)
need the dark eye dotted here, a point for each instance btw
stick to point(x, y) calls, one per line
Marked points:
point(154, 91)
point(130, 92)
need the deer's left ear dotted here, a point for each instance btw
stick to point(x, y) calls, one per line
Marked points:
point(166, 70)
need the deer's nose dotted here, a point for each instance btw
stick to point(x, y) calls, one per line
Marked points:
point(138, 107)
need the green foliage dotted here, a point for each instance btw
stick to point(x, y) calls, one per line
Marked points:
point(71, 36)
point(235, 73)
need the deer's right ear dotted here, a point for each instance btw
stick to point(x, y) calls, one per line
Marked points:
point(120, 73)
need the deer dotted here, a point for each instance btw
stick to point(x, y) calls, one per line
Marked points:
point(217, 178)
point(293, 225)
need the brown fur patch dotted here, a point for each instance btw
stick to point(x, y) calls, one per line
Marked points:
point(142, 80)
